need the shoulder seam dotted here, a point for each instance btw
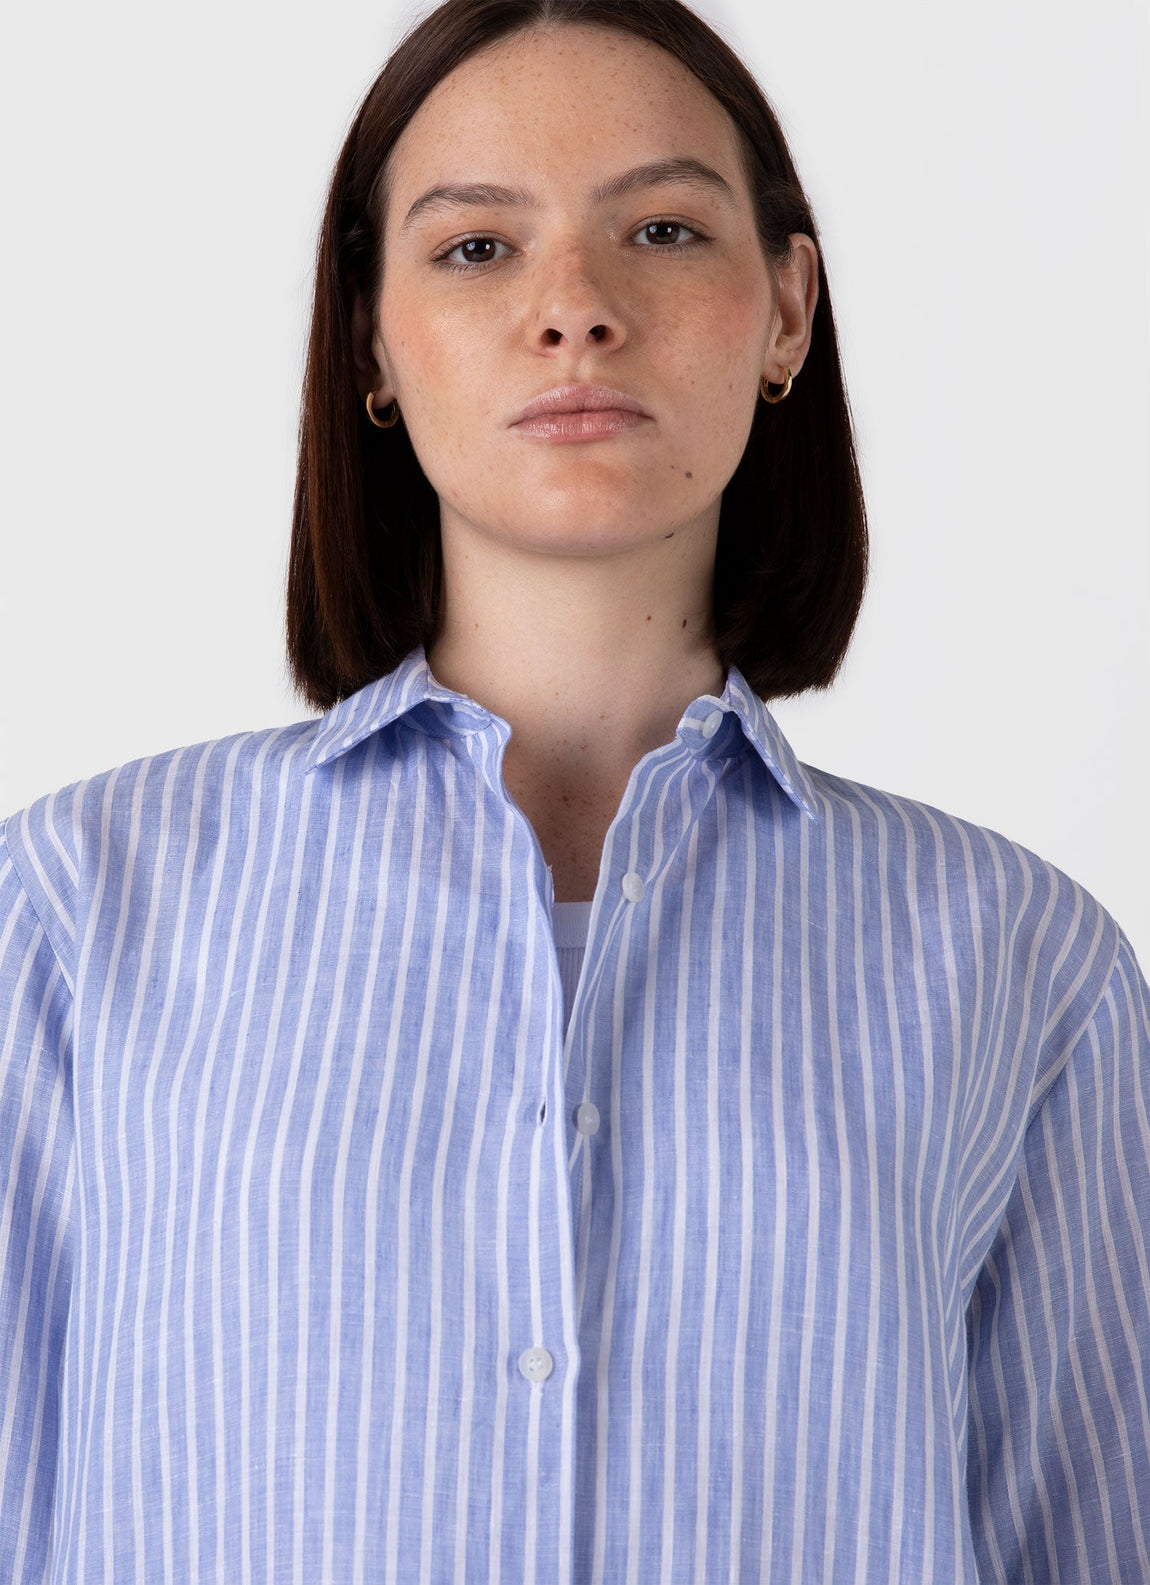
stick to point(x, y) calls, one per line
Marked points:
point(18, 858)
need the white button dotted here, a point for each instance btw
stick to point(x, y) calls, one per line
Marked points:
point(712, 724)
point(632, 887)
point(536, 1364)
point(587, 1118)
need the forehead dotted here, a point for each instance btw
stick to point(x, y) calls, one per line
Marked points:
point(584, 94)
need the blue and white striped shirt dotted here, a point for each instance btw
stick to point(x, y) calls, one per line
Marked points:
point(815, 1246)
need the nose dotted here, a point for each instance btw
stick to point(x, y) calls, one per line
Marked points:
point(597, 334)
point(575, 307)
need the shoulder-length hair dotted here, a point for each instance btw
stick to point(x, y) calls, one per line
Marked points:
point(365, 572)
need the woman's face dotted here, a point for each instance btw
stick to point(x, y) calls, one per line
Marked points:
point(655, 285)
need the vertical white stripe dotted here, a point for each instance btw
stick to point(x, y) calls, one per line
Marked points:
point(1085, 1197)
point(408, 876)
point(894, 1036)
point(411, 755)
point(924, 1055)
point(774, 1132)
point(814, 1220)
point(101, 1196)
point(471, 1260)
point(941, 1221)
point(986, 1512)
point(713, 1175)
point(337, 1019)
point(458, 1048)
point(638, 1449)
point(748, 851)
point(844, 1296)
point(198, 1362)
point(298, 1213)
point(603, 1363)
point(270, 869)
point(428, 973)
point(681, 963)
point(981, 1087)
point(131, 1050)
point(538, 1340)
point(873, 1309)
point(506, 1232)
point(275, 1095)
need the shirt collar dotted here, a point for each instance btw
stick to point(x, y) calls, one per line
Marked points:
point(412, 684)
point(765, 736)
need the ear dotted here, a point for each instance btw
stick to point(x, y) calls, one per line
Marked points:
point(798, 292)
point(366, 349)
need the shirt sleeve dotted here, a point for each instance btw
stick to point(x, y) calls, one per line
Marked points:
point(36, 1177)
point(1058, 1454)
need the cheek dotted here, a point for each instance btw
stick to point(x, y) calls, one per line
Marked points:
point(736, 323)
point(442, 366)
point(415, 352)
point(444, 363)
point(717, 339)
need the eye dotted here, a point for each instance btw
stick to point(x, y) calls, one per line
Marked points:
point(479, 250)
point(655, 234)
point(473, 252)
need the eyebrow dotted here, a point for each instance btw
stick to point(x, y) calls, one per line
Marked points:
point(684, 169)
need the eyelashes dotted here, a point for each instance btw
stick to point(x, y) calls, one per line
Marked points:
point(474, 265)
point(467, 264)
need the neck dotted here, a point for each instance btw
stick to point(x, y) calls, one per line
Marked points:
point(591, 659)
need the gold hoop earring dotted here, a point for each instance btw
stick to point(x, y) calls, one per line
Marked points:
point(382, 423)
point(767, 397)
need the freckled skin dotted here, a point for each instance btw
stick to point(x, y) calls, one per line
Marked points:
point(688, 334)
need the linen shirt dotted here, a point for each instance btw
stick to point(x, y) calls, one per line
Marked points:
point(813, 1247)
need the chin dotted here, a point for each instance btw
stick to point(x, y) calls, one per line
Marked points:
point(620, 503)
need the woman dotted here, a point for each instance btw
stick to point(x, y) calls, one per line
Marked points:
point(526, 1125)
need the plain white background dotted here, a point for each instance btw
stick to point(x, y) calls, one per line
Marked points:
point(979, 175)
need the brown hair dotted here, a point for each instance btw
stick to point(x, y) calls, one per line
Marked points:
point(365, 570)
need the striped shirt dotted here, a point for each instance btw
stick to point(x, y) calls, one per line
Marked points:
point(809, 1241)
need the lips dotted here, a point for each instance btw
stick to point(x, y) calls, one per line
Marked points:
point(579, 399)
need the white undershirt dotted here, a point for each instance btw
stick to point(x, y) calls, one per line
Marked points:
point(570, 924)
